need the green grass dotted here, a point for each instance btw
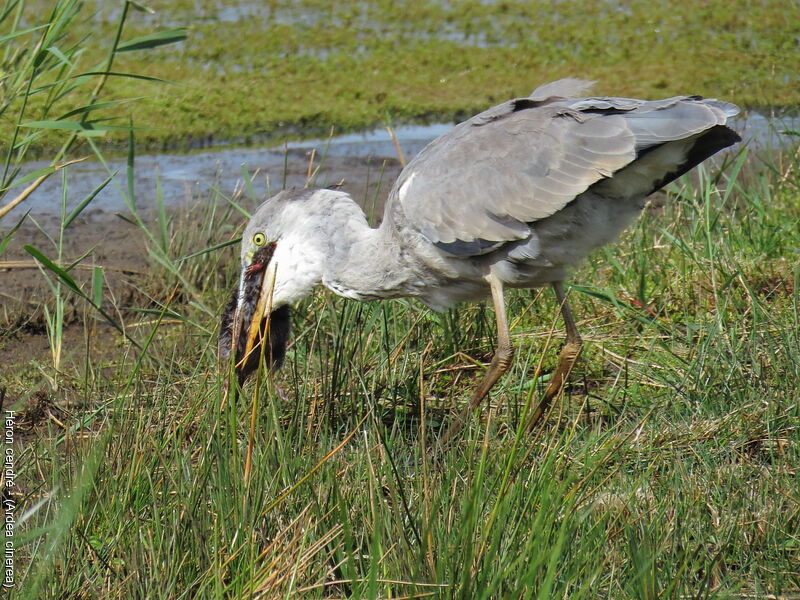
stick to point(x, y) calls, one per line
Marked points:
point(253, 71)
point(52, 89)
point(669, 470)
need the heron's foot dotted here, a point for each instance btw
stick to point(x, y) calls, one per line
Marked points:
point(566, 361)
point(501, 362)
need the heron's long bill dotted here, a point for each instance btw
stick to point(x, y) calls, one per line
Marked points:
point(248, 320)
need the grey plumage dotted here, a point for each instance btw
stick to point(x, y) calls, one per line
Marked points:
point(514, 196)
point(526, 159)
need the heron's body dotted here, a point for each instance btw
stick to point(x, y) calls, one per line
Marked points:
point(514, 197)
point(362, 263)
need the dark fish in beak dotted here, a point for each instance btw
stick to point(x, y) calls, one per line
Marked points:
point(242, 325)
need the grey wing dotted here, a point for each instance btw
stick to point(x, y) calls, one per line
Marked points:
point(483, 182)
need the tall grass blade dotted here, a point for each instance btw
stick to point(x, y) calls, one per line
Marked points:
point(32, 187)
point(9, 235)
point(64, 277)
point(66, 514)
point(97, 286)
point(75, 212)
point(124, 75)
point(153, 40)
point(210, 249)
point(163, 220)
point(82, 110)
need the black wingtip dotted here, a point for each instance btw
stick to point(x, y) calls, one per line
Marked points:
point(712, 141)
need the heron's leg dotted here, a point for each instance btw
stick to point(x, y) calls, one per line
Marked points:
point(501, 361)
point(566, 360)
point(504, 353)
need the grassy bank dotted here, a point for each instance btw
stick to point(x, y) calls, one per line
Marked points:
point(668, 471)
point(262, 70)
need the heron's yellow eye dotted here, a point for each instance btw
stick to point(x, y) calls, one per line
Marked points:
point(259, 239)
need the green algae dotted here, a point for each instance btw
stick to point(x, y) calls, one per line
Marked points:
point(260, 70)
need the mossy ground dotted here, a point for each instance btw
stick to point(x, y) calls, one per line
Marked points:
point(262, 70)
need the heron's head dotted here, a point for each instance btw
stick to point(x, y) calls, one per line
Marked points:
point(280, 264)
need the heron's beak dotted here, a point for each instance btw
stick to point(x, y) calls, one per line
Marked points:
point(263, 308)
point(249, 319)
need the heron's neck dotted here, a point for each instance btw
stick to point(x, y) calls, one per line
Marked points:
point(367, 263)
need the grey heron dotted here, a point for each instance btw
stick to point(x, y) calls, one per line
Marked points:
point(513, 197)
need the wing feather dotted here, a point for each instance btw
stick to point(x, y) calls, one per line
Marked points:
point(487, 179)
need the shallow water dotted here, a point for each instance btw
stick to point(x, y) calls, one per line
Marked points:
point(360, 158)
point(190, 176)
